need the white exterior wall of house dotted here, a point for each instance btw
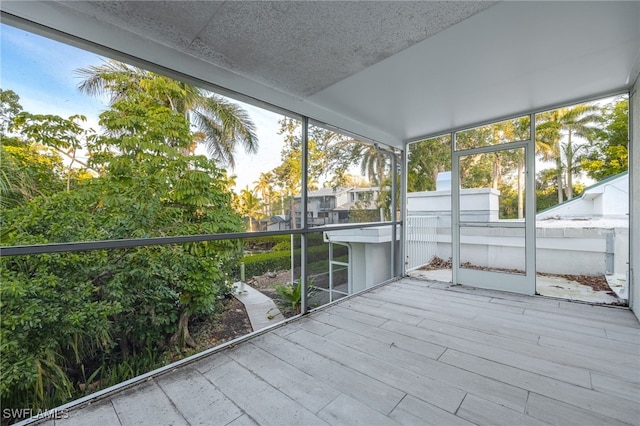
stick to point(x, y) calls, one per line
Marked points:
point(475, 205)
point(582, 247)
point(341, 198)
point(318, 200)
point(594, 225)
point(369, 254)
point(608, 199)
point(591, 238)
point(634, 222)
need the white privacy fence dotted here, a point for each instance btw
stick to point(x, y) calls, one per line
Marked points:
point(421, 240)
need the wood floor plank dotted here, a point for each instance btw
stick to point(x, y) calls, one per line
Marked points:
point(482, 412)
point(207, 363)
point(543, 327)
point(146, 403)
point(495, 391)
point(413, 411)
point(297, 385)
point(623, 355)
point(315, 327)
point(590, 310)
point(537, 354)
point(357, 316)
point(421, 347)
point(627, 388)
point(101, 413)
point(382, 312)
point(452, 308)
point(531, 327)
point(463, 298)
point(371, 392)
point(624, 335)
point(370, 302)
point(556, 412)
point(515, 318)
point(345, 410)
point(587, 322)
point(606, 405)
point(243, 420)
point(201, 401)
point(468, 322)
point(435, 392)
point(432, 296)
point(494, 324)
point(264, 403)
point(475, 344)
point(502, 295)
point(423, 305)
point(606, 315)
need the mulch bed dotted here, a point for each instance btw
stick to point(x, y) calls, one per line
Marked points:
point(596, 282)
point(213, 330)
point(436, 263)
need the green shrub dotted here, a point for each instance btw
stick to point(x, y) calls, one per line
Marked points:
point(268, 243)
point(283, 245)
point(291, 294)
point(282, 242)
point(258, 264)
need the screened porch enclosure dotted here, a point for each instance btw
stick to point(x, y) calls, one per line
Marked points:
point(366, 343)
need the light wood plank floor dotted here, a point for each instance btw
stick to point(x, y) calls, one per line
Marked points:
point(410, 352)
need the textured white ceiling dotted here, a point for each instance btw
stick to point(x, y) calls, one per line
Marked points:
point(390, 71)
point(299, 47)
point(514, 57)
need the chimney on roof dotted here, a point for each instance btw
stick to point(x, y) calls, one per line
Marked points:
point(443, 181)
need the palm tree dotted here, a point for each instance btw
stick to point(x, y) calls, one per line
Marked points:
point(250, 206)
point(221, 125)
point(263, 188)
point(570, 122)
point(373, 162)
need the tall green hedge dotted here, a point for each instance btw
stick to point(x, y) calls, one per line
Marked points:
point(258, 264)
point(281, 242)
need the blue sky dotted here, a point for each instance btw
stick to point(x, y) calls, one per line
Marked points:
point(42, 72)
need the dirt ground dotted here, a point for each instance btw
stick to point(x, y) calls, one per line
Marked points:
point(266, 283)
point(232, 322)
point(209, 331)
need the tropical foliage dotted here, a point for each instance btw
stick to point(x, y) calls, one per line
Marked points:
point(221, 126)
point(570, 142)
point(291, 294)
point(68, 319)
point(608, 151)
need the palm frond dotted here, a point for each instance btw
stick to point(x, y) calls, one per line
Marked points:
point(225, 125)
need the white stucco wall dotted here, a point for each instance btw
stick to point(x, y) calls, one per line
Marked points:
point(609, 199)
point(476, 205)
point(370, 250)
point(591, 240)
